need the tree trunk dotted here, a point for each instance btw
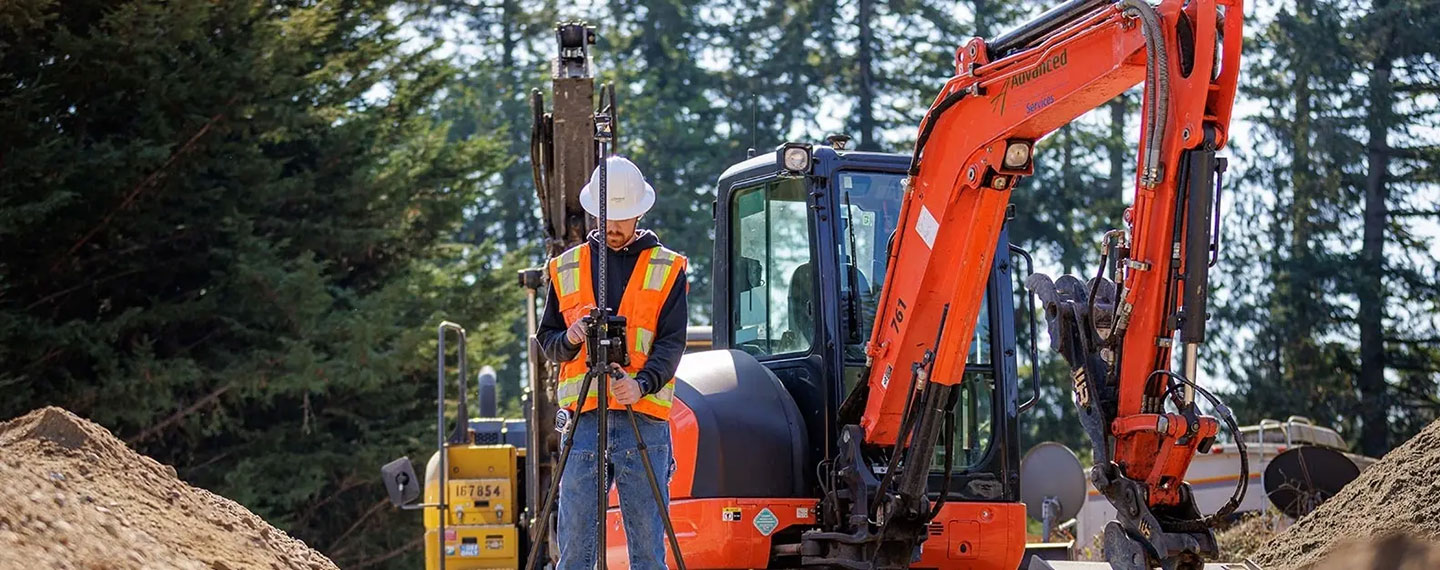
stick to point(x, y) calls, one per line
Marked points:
point(982, 17)
point(1296, 295)
point(1066, 138)
point(507, 35)
point(517, 232)
point(1116, 184)
point(864, 55)
point(1374, 431)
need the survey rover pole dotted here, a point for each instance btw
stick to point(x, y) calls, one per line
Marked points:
point(600, 359)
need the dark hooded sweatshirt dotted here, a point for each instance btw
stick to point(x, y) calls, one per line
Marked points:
point(670, 329)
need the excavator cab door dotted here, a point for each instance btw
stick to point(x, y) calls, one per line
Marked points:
point(771, 289)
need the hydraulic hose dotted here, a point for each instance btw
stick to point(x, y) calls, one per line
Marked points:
point(929, 126)
point(1226, 416)
point(1157, 85)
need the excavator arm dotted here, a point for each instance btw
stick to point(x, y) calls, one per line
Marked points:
point(975, 144)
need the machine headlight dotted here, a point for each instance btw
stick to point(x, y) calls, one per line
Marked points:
point(795, 157)
point(1017, 155)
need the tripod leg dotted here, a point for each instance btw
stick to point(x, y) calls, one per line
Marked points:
point(602, 460)
point(551, 494)
point(655, 490)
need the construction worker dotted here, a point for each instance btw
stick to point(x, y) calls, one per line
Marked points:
point(647, 286)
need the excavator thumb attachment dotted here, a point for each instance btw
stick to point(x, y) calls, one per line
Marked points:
point(1141, 538)
point(1068, 318)
point(1079, 316)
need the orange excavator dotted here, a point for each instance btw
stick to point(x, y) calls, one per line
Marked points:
point(1118, 335)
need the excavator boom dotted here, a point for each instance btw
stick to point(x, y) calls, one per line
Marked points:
point(974, 145)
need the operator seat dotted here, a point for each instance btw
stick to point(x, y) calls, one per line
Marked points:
point(801, 333)
point(802, 297)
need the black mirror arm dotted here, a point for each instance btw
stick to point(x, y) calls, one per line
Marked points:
point(1030, 316)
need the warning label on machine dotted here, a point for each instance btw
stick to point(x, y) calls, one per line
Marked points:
point(765, 521)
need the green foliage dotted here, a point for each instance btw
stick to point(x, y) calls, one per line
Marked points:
point(226, 229)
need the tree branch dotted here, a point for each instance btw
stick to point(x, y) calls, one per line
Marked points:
point(1415, 153)
point(345, 485)
point(1416, 88)
point(191, 470)
point(83, 284)
point(368, 513)
point(42, 360)
point(1398, 340)
point(180, 415)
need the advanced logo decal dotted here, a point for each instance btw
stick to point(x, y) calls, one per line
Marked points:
point(1055, 62)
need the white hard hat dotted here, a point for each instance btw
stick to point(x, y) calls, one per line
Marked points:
point(629, 194)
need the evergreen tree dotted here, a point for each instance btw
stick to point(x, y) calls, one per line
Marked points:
point(226, 232)
point(1273, 277)
point(669, 118)
point(1395, 274)
point(1338, 328)
point(505, 50)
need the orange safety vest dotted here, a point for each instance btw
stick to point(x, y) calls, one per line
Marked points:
point(650, 284)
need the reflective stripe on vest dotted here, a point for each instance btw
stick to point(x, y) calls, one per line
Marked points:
point(656, 273)
point(568, 282)
point(644, 339)
point(569, 393)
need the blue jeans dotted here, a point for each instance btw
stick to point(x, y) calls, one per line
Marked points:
point(644, 527)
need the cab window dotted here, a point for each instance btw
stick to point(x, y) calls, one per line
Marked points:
point(772, 278)
point(870, 211)
point(974, 413)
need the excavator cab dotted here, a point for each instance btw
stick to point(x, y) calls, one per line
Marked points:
point(802, 237)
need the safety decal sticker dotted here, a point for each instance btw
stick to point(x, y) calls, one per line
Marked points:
point(927, 226)
point(765, 521)
point(802, 513)
point(730, 514)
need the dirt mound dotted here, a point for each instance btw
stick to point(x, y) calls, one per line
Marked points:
point(1395, 552)
point(74, 496)
point(1398, 495)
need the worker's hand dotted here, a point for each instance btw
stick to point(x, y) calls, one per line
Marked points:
point(625, 388)
point(576, 333)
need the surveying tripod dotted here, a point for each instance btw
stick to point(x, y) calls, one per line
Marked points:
point(604, 345)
